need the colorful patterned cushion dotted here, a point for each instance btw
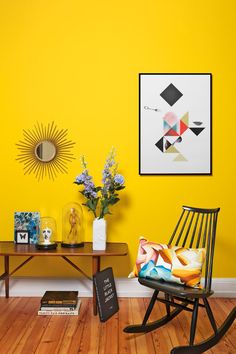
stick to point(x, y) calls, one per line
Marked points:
point(169, 263)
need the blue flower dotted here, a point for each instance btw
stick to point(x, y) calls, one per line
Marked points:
point(80, 179)
point(119, 179)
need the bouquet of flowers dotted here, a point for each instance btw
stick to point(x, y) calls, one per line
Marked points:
point(100, 198)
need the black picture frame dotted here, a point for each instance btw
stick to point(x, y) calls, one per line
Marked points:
point(186, 100)
point(22, 237)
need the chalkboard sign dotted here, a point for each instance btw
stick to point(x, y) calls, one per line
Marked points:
point(106, 294)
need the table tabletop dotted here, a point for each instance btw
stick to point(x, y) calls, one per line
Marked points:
point(9, 248)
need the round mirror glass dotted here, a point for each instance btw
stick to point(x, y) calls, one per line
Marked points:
point(45, 151)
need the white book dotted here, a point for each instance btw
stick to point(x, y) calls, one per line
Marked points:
point(62, 312)
point(58, 308)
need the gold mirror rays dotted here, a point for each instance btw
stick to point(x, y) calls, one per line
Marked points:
point(45, 151)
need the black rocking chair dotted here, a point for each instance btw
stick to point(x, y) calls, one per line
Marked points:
point(195, 228)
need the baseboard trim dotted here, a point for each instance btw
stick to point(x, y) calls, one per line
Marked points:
point(21, 286)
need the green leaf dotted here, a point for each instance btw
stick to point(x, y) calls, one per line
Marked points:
point(106, 211)
point(119, 188)
point(104, 203)
point(114, 200)
point(90, 204)
point(96, 202)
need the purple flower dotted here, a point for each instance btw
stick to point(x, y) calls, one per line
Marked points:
point(105, 174)
point(89, 187)
point(101, 197)
point(106, 187)
point(119, 179)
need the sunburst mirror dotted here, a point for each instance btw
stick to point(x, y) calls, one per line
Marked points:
point(45, 151)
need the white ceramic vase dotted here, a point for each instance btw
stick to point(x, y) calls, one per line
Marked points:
point(99, 234)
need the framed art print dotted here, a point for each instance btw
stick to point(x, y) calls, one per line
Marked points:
point(22, 237)
point(175, 124)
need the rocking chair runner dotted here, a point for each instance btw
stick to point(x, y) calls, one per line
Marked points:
point(195, 228)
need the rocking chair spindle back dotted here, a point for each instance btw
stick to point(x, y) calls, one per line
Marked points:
point(196, 228)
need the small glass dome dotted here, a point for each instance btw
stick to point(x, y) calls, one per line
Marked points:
point(72, 225)
point(48, 233)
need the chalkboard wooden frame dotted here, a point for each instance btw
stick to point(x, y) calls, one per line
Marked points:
point(106, 294)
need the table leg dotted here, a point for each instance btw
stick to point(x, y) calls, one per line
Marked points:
point(96, 268)
point(6, 265)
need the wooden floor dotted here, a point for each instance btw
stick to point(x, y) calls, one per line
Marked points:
point(23, 331)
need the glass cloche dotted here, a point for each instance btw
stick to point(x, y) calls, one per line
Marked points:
point(48, 233)
point(72, 226)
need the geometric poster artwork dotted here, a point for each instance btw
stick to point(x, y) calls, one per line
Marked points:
point(175, 124)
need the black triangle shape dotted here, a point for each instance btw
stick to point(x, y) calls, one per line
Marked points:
point(197, 131)
point(167, 144)
point(159, 144)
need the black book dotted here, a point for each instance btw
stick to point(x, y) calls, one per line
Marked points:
point(106, 294)
point(60, 298)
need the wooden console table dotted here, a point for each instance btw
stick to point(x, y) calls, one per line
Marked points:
point(8, 249)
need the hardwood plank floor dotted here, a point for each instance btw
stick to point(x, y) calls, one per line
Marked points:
point(22, 331)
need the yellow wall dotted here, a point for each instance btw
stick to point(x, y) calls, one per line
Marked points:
point(77, 63)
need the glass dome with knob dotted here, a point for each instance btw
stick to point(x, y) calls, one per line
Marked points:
point(72, 226)
point(48, 232)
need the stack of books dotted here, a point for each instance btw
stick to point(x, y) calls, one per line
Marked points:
point(60, 303)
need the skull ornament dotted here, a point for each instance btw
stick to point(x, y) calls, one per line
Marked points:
point(47, 233)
